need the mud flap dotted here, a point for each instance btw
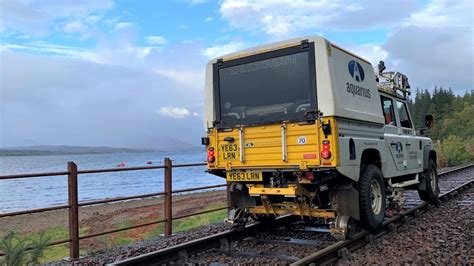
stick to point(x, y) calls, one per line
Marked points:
point(346, 202)
point(240, 197)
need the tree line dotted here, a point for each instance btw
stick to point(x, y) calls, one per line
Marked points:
point(453, 129)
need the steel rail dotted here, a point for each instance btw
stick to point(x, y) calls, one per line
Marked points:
point(175, 253)
point(328, 254)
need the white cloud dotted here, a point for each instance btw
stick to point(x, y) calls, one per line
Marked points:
point(93, 19)
point(67, 100)
point(188, 79)
point(120, 54)
point(196, 2)
point(174, 112)
point(35, 17)
point(156, 40)
point(123, 25)
point(183, 27)
point(208, 19)
point(219, 50)
point(74, 27)
point(285, 18)
point(371, 52)
point(431, 43)
point(432, 56)
point(55, 50)
point(435, 46)
point(443, 13)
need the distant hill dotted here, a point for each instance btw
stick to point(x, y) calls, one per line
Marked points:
point(64, 150)
point(165, 144)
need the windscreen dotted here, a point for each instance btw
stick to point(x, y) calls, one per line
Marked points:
point(273, 89)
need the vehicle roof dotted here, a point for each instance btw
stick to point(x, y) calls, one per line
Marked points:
point(280, 45)
point(333, 73)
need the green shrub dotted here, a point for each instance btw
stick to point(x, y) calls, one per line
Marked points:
point(455, 150)
point(23, 251)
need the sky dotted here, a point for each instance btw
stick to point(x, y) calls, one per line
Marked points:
point(130, 73)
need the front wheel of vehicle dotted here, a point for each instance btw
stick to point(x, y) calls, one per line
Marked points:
point(372, 198)
point(430, 193)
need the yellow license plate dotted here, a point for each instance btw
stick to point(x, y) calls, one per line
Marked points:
point(229, 152)
point(244, 176)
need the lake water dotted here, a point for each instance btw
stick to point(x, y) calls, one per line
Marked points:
point(39, 192)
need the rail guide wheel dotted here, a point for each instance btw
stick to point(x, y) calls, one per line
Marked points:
point(237, 218)
point(344, 227)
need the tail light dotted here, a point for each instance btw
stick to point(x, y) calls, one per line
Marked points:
point(210, 155)
point(325, 151)
point(309, 175)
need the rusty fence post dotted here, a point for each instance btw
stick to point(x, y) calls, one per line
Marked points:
point(73, 211)
point(168, 197)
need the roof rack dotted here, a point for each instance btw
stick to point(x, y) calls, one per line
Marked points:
point(392, 82)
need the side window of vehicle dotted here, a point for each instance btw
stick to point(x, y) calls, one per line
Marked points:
point(403, 114)
point(388, 112)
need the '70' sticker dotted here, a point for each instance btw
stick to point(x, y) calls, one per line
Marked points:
point(301, 140)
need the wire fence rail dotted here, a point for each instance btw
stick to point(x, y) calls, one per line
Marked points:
point(74, 204)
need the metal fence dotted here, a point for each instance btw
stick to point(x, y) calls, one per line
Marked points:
point(74, 204)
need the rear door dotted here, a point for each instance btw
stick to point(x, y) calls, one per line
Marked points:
point(270, 146)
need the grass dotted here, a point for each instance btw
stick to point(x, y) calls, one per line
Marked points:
point(57, 252)
point(199, 220)
point(180, 225)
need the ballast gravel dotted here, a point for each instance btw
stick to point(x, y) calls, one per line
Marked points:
point(122, 252)
point(444, 235)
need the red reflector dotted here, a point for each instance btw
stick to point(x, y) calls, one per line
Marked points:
point(211, 159)
point(309, 176)
point(309, 156)
point(326, 154)
point(210, 152)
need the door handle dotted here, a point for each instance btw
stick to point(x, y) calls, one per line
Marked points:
point(408, 144)
point(229, 139)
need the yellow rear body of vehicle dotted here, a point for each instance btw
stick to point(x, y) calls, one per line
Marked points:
point(276, 146)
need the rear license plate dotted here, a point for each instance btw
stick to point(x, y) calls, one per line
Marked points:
point(229, 152)
point(244, 176)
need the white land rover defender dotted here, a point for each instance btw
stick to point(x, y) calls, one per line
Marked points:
point(303, 127)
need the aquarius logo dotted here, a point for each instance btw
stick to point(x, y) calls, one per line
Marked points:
point(399, 147)
point(356, 71)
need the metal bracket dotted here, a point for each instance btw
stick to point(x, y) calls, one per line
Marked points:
point(284, 153)
point(241, 144)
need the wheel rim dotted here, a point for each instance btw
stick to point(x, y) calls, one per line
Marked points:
point(433, 180)
point(375, 197)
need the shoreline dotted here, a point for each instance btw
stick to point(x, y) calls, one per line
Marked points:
point(115, 212)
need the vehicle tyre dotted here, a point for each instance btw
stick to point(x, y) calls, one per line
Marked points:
point(372, 198)
point(430, 193)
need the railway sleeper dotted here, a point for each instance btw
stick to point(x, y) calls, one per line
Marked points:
point(260, 254)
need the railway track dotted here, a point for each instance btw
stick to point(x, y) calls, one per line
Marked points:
point(287, 242)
